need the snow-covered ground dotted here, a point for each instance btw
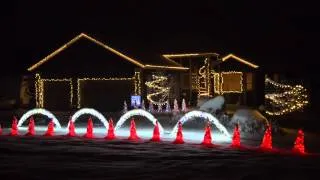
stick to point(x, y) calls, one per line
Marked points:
point(61, 157)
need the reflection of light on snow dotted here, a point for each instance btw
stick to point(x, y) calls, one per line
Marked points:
point(123, 133)
point(91, 111)
point(137, 112)
point(203, 115)
point(44, 112)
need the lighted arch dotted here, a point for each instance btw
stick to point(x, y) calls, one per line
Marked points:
point(190, 115)
point(44, 112)
point(91, 111)
point(138, 112)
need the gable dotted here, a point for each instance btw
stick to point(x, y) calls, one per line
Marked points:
point(82, 36)
point(87, 58)
point(232, 57)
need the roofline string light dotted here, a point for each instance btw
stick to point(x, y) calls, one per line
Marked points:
point(225, 58)
point(83, 35)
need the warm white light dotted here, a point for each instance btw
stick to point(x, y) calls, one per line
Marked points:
point(161, 92)
point(291, 98)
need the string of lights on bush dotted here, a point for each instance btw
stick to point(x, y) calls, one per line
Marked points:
point(290, 99)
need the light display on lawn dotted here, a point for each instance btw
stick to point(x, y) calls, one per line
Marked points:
point(176, 136)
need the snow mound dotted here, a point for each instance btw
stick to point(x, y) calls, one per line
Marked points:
point(213, 104)
point(249, 120)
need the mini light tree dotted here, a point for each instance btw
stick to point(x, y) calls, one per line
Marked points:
point(175, 106)
point(184, 106)
point(125, 107)
point(159, 108)
point(151, 109)
point(168, 108)
point(143, 105)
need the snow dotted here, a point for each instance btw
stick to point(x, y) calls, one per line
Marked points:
point(249, 120)
point(61, 157)
point(212, 105)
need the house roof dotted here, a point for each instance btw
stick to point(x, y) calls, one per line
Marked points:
point(224, 58)
point(232, 56)
point(167, 64)
point(169, 56)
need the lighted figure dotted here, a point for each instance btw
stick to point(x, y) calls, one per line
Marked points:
point(125, 107)
point(151, 108)
point(110, 134)
point(267, 139)
point(179, 137)
point(184, 106)
point(175, 106)
point(143, 106)
point(207, 139)
point(31, 127)
point(14, 127)
point(50, 130)
point(159, 108)
point(133, 131)
point(71, 129)
point(89, 133)
point(168, 108)
point(299, 143)
point(156, 133)
point(236, 137)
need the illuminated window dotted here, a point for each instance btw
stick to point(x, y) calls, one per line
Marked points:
point(231, 82)
point(249, 81)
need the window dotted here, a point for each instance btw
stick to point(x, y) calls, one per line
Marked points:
point(231, 82)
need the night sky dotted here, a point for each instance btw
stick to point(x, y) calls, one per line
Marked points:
point(280, 37)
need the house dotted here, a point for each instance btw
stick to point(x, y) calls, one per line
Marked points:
point(210, 74)
point(85, 72)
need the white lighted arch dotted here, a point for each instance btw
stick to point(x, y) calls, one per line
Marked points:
point(91, 111)
point(44, 112)
point(138, 112)
point(192, 114)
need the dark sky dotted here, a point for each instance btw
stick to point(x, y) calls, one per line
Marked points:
point(271, 34)
point(278, 36)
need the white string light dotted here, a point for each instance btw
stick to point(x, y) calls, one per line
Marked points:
point(292, 98)
point(161, 92)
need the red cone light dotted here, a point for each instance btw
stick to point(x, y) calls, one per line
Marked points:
point(179, 137)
